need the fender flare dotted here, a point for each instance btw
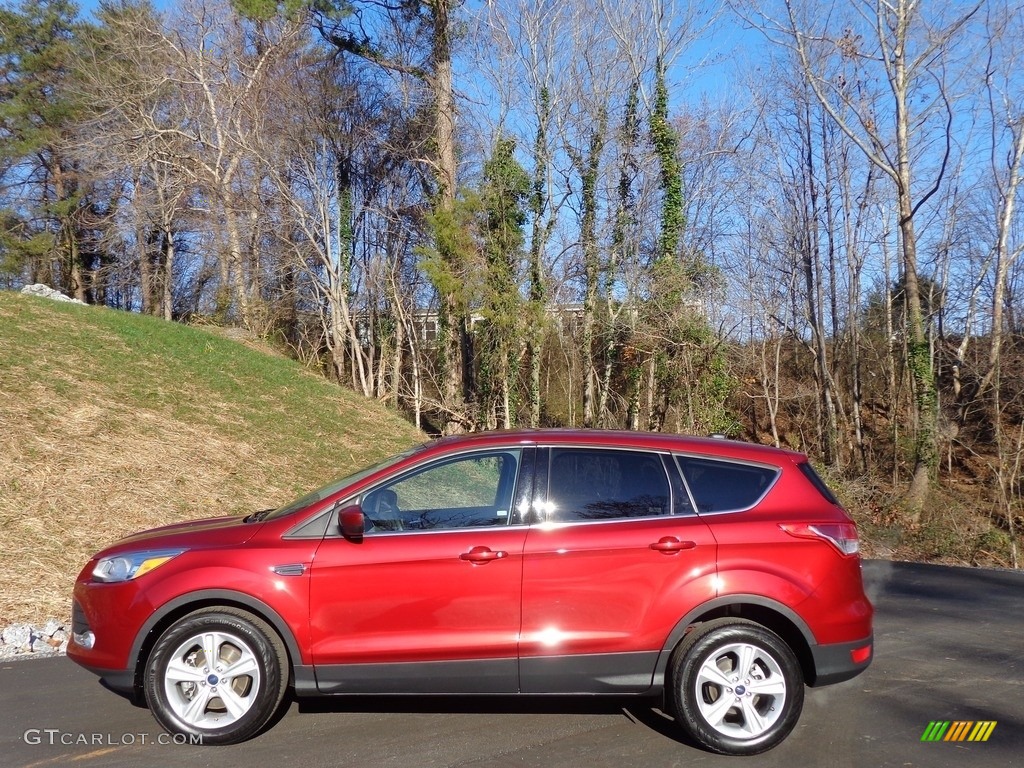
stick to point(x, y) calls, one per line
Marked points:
point(724, 601)
point(207, 598)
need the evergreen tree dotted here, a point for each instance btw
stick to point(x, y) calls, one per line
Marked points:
point(43, 236)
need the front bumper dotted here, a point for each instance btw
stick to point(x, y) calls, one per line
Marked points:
point(120, 681)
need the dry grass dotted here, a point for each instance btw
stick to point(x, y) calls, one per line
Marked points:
point(108, 427)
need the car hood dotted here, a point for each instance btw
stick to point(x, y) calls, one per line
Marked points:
point(215, 531)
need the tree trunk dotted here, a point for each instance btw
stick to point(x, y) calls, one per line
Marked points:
point(539, 205)
point(454, 339)
point(920, 363)
point(589, 168)
point(146, 277)
point(167, 276)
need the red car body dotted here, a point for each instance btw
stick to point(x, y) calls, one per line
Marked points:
point(512, 600)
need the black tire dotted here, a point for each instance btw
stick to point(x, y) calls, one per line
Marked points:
point(189, 696)
point(730, 709)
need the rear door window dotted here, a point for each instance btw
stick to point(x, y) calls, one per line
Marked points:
point(725, 486)
point(595, 484)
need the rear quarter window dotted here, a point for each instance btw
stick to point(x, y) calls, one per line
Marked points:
point(725, 486)
point(818, 483)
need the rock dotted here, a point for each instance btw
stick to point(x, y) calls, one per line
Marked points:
point(18, 637)
point(52, 637)
point(51, 628)
point(46, 292)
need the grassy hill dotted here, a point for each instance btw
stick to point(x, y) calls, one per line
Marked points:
point(112, 422)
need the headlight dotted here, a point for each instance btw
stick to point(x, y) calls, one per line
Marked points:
point(131, 565)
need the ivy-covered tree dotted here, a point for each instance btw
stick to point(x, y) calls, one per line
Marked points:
point(506, 190)
point(665, 139)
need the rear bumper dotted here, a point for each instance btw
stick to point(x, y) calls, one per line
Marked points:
point(837, 662)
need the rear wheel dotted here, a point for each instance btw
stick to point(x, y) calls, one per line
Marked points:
point(737, 687)
point(218, 673)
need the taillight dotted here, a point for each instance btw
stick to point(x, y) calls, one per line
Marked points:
point(842, 536)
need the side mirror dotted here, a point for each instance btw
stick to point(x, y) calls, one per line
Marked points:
point(352, 522)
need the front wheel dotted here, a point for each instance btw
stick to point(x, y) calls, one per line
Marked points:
point(737, 687)
point(217, 675)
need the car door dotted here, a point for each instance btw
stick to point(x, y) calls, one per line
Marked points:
point(614, 558)
point(429, 600)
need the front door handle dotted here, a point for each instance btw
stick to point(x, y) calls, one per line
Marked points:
point(482, 555)
point(670, 545)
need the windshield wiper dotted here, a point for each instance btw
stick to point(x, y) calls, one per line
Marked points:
point(255, 517)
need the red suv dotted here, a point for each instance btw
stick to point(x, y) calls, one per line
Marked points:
point(721, 575)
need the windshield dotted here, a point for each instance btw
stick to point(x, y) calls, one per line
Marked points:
point(333, 487)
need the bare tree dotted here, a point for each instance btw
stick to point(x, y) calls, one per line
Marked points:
point(180, 100)
point(905, 50)
point(1005, 104)
point(121, 64)
point(420, 47)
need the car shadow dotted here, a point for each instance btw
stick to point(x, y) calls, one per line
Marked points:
point(645, 711)
point(463, 704)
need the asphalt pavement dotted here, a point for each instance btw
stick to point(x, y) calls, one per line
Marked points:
point(948, 649)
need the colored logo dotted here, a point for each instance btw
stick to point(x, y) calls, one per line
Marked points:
point(958, 730)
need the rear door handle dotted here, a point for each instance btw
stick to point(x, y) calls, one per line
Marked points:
point(670, 544)
point(482, 555)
